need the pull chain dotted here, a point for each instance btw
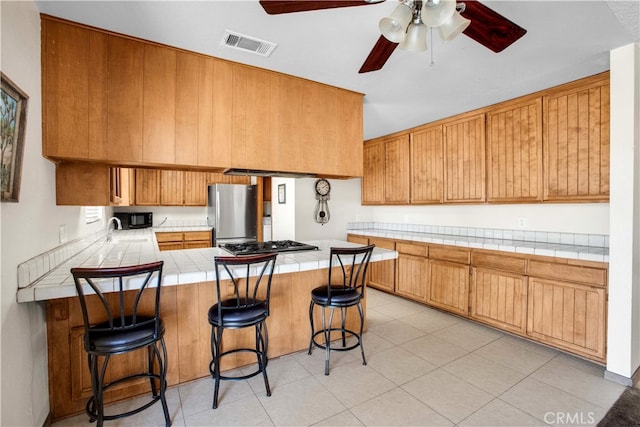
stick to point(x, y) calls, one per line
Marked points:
point(432, 46)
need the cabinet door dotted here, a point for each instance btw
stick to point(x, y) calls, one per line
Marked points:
point(576, 141)
point(427, 177)
point(187, 97)
point(568, 315)
point(171, 188)
point(500, 299)
point(373, 174)
point(514, 152)
point(412, 278)
point(250, 114)
point(217, 151)
point(396, 170)
point(382, 274)
point(195, 189)
point(74, 91)
point(82, 184)
point(125, 99)
point(449, 286)
point(464, 159)
point(147, 187)
point(159, 106)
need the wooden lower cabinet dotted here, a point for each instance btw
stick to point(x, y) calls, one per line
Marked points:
point(449, 286)
point(412, 265)
point(184, 311)
point(168, 241)
point(499, 298)
point(555, 301)
point(568, 315)
point(382, 275)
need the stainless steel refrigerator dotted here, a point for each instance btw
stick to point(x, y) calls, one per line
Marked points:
point(231, 212)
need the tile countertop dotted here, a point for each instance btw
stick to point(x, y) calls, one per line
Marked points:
point(131, 247)
point(559, 250)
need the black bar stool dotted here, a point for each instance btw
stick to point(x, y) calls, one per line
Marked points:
point(122, 324)
point(348, 291)
point(247, 306)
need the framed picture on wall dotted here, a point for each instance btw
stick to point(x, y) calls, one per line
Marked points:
point(282, 193)
point(13, 121)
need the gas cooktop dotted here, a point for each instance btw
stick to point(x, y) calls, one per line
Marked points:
point(252, 248)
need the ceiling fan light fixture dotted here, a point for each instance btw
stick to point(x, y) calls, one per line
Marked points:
point(416, 37)
point(437, 12)
point(394, 26)
point(454, 26)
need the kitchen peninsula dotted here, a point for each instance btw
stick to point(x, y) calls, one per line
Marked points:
point(188, 292)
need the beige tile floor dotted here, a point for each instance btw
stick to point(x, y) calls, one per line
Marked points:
point(425, 368)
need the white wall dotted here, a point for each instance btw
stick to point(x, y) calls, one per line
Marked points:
point(344, 206)
point(624, 266)
point(283, 215)
point(28, 228)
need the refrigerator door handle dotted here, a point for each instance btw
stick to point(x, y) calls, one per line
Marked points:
point(217, 209)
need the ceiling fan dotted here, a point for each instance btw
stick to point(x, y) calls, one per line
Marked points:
point(486, 26)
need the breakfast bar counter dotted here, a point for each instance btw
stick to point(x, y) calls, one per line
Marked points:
point(188, 291)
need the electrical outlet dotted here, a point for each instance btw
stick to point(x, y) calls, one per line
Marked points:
point(522, 222)
point(62, 234)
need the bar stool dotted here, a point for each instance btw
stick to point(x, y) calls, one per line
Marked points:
point(122, 321)
point(247, 305)
point(347, 292)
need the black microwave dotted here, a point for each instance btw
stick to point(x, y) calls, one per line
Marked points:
point(131, 220)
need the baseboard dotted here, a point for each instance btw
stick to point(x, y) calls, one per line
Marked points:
point(628, 382)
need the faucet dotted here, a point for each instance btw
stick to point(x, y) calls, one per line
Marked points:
point(110, 230)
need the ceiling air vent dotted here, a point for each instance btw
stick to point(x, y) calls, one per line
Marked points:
point(248, 44)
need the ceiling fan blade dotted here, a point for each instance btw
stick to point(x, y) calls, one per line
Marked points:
point(378, 55)
point(275, 7)
point(489, 28)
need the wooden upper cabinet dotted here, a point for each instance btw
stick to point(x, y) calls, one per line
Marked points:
point(576, 140)
point(385, 177)
point(514, 152)
point(373, 174)
point(250, 117)
point(74, 92)
point(287, 122)
point(171, 188)
point(147, 187)
point(187, 119)
point(125, 100)
point(195, 188)
point(159, 105)
point(217, 150)
point(464, 159)
point(396, 170)
point(426, 165)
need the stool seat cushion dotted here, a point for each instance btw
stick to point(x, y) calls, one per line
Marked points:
point(339, 296)
point(143, 333)
point(251, 312)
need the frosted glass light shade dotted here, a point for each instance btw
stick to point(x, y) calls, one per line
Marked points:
point(435, 14)
point(416, 38)
point(394, 26)
point(454, 26)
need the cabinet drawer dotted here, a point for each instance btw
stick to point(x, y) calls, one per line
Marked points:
point(354, 238)
point(169, 237)
point(449, 254)
point(499, 262)
point(383, 243)
point(412, 249)
point(572, 273)
point(196, 235)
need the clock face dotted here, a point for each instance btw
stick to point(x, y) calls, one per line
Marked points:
point(323, 187)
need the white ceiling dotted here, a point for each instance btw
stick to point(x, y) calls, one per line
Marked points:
point(565, 40)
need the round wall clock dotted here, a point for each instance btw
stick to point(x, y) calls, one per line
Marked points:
point(323, 187)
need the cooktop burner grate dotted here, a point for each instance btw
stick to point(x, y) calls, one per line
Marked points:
point(252, 248)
